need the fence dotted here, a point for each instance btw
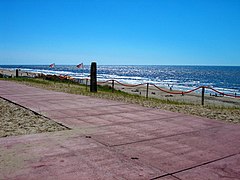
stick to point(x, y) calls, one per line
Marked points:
point(166, 91)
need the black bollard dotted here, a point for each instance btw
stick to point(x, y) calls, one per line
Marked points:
point(147, 90)
point(112, 86)
point(203, 91)
point(93, 80)
point(86, 84)
point(17, 72)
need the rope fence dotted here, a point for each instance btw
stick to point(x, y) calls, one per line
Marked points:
point(166, 91)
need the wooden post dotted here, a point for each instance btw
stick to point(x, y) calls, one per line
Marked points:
point(112, 86)
point(93, 80)
point(203, 90)
point(147, 90)
point(86, 83)
point(17, 72)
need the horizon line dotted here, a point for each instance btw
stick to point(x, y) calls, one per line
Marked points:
point(116, 64)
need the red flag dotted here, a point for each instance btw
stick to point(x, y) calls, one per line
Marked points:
point(80, 65)
point(52, 65)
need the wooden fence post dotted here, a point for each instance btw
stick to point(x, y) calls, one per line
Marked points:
point(112, 86)
point(203, 91)
point(86, 83)
point(17, 70)
point(93, 80)
point(147, 90)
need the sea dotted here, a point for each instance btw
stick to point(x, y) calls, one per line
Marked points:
point(222, 78)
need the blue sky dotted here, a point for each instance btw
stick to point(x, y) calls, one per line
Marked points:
point(112, 32)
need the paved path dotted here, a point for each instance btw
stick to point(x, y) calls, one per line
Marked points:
point(116, 140)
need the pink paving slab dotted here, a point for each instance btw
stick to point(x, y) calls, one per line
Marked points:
point(224, 169)
point(124, 133)
point(187, 150)
point(66, 155)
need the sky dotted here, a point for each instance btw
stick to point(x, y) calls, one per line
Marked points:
point(120, 32)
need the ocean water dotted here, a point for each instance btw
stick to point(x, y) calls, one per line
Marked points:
point(223, 78)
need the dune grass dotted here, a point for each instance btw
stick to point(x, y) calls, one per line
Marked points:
point(231, 114)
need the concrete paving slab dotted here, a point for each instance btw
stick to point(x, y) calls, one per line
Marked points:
point(74, 123)
point(108, 119)
point(180, 152)
point(125, 133)
point(92, 121)
point(66, 103)
point(224, 169)
point(169, 177)
point(147, 115)
point(66, 155)
point(92, 111)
